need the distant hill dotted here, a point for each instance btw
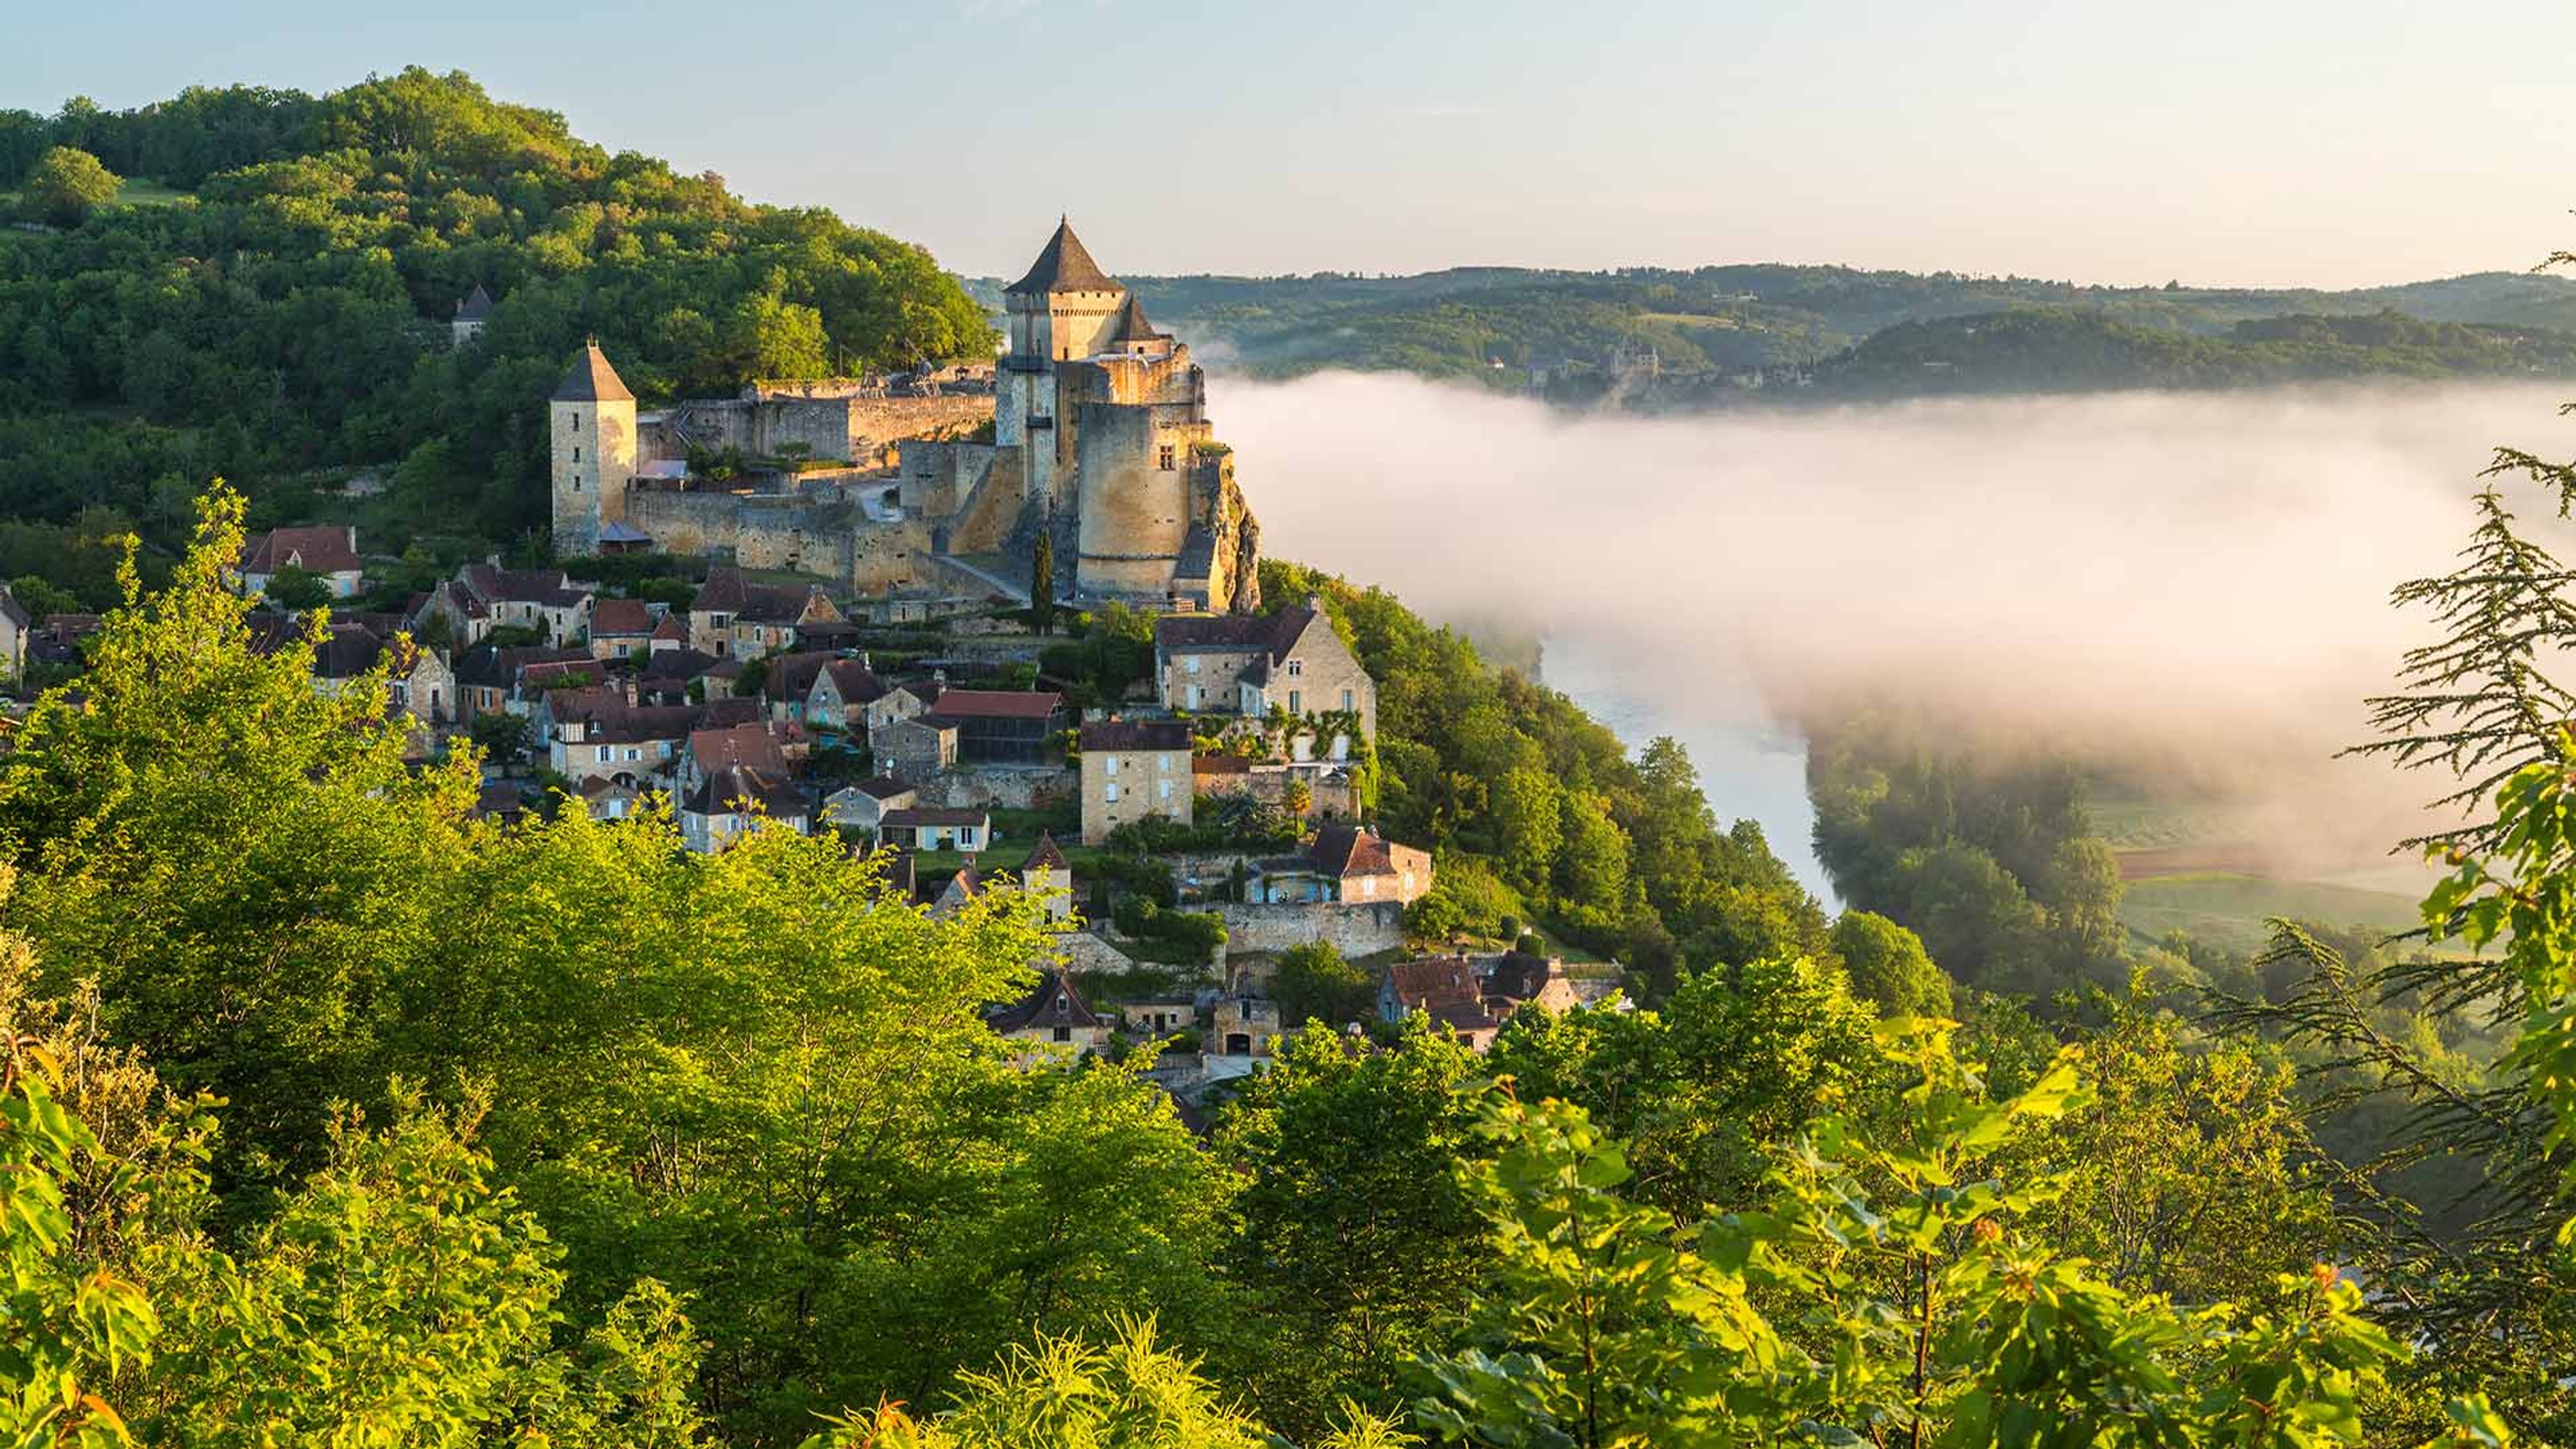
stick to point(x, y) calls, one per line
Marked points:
point(1848, 332)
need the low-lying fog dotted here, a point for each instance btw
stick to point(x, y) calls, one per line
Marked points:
point(2192, 585)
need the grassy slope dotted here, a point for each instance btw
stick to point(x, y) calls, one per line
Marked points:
point(2226, 908)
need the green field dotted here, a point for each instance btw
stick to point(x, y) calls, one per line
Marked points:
point(2228, 909)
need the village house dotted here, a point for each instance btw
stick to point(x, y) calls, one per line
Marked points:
point(1132, 769)
point(959, 891)
point(1243, 1026)
point(909, 700)
point(1053, 1017)
point(1444, 988)
point(418, 682)
point(1159, 1017)
point(732, 800)
point(914, 749)
point(863, 806)
point(732, 616)
point(622, 629)
point(597, 734)
point(841, 693)
point(329, 552)
point(1250, 664)
point(1331, 790)
point(1001, 726)
point(485, 596)
point(608, 800)
point(1346, 863)
point(473, 314)
point(1518, 978)
point(920, 828)
point(1046, 875)
point(711, 751)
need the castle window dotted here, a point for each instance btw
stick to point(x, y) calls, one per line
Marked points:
point(576, 452)
point(1169, 461)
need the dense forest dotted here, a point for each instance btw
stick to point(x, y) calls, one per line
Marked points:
point(333, 1111)
point(1839, 333)
point(273, 308)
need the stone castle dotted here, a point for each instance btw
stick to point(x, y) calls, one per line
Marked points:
point(1100, 442)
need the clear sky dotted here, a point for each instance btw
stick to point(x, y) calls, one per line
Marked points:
point(2324, 142)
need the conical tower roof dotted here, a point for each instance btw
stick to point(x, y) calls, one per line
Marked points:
point(593, 380)
point(1064, 267)
point(1132, 326)
point(476, 306)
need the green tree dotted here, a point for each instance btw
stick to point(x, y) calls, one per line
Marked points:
point(1352, 1237)
point(294, 588)
point(66, 185)
point(1886, 966)
point(1918, 1306)
point(1315, 983)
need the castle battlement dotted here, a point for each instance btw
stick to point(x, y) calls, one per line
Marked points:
point(1100, 440)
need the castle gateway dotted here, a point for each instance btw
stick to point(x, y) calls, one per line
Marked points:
point(1100, 441)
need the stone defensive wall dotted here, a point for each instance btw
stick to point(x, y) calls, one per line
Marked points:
point(1356, 928)
point(862, 430)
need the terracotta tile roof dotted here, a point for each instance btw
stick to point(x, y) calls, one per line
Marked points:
point(1434, 981)
point(621, 618)
point(857, 683)
point(1348, 850)
point(670, 628)
point(1045, 857)
point(1064, 266)
point(741, 745)
point(593, 380)
point(1220, 765)
point(1115, 735)
point(325, 549)
point(998, 703)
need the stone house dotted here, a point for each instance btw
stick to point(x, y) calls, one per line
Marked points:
point(1520, 978)
point(732, 616)
point(1347, 863)
point(328, 551)
point(1133, 769)
point(424, 686)
point(485, 596)
point(1046, 874)
point(863, 806)
point(956, 893)
point(1243, 1026)
point(1002, 726)
point(917, 827)
point(1249, 664)
point(910, 700)
point(1445, 988)
point(473, 313)
point(915, 749)
point(1332, 793)
point(843, 689)
point(597, 734)
point(732, 800)
point(1052, 1018)
point(621, 629)
point(712, 750)
point(609, 800)
point(1159, 1017)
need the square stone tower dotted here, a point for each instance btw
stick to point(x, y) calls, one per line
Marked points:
point(591, 423)
point(1064, 309)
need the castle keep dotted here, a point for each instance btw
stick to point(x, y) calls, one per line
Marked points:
point(1100, 441)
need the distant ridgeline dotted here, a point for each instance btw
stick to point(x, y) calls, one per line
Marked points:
point(1651, 338)
point(290, 301)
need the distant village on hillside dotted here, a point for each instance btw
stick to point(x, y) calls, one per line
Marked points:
point(868, 648)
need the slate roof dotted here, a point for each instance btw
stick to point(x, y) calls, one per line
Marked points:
point(1518, 975)
point(326, 549)
point(1055, 1002)
point(915, 819)
point(593, 380)
point(1275, 634)
point(1114, 735)
point(883, 787)
point(731, 790)
point(791, 676)
point(12, 610)
point(728, 590)
point(857, 683)
point(476, 306)
point(1132, 326)
point(1045, 857)
point(1064, 267)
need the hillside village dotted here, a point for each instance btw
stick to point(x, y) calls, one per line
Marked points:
point(835, 608)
